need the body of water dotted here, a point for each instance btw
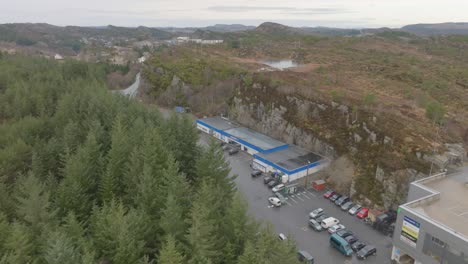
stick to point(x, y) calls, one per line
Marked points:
point(280, 64)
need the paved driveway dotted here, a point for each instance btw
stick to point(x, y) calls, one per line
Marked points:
point(291, 218)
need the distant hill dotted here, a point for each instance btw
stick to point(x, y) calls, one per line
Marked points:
point(438, 29)
point(218, 28)
point(271, 28)
point(330, 31)
point(69, 38)
point(224, 28)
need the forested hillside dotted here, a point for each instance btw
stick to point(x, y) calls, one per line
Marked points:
point(91, 177)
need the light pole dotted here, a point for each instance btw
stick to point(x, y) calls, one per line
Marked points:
point(307, 173)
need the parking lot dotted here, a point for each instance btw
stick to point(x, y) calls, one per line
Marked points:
point(292, 217)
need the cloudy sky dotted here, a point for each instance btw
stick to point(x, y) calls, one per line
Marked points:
point(180, 13)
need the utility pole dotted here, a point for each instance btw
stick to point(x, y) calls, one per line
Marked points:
point(307, 174)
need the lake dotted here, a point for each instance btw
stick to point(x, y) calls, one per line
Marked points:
point(280, 64)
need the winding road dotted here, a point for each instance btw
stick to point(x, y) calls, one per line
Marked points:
point(132, 90)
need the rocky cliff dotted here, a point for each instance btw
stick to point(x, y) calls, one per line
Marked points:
point(374, 158)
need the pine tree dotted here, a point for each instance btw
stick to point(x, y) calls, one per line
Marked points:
point(76, 232)
point(204, 238)
point(250, 255)
point(71, 136)
point(77, 191)
point(7, 205)
point(112, 182)
point(182, 137)
point(60, 249)
point(4, 232)
point(119, 234)
point(237, 226)
point(150, 159)
point(19, 246)
point(169, 253)
point(173, 219)
point(33, 206)
point(212, 167)
point(187, 149)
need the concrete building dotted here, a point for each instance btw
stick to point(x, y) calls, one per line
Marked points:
point(270, 155)
point(250, 141)
point(432, 227)
point(212, 41)
point(182, 39)
point(293, 162)
point(198, 41)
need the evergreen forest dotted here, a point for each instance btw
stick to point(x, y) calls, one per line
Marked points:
point(89, 176)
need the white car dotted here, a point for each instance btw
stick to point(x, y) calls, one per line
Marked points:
point(335, 228)
point(316, 213)
point(278, 188)
point(354, 209)
point(282, 236)
point(275, 201)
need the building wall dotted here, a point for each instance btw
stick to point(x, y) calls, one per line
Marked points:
point(434, 243)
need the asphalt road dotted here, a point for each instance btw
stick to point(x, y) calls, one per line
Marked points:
point(132, 90)
point(291, 218)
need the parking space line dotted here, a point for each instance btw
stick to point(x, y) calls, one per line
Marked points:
point(288, 203)
point(293, 199)
point(306, 196)
point(311, 193)
point(299, 197)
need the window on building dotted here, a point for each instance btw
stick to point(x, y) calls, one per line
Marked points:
point(438, 242)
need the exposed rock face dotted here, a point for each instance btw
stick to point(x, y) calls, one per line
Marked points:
point(272, 122)
point(370, 154)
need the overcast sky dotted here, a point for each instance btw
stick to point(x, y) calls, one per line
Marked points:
point(181, 13)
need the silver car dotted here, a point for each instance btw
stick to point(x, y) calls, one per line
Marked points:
point(315, 225)
point(354, 209)
point(346, 206)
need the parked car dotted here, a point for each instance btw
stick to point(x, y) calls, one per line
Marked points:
point(346, 206)
point(363, 213)
point(366, 252)
point(267, 179)
point(278, 187)
point(256, 173)
point(321, 218)
point(328, 194)
point(273, 183)
point(344, 233)
point(280, 197)
point(233, 151)
point(353, 210)
point(282, 236)
point(335, 197)
point(351, 240)
point(335, 228)
point(358, 245)
point(316, 213)
point(329, 222)
point(340, 201)
point(315, 225)
point(305, 257)
point(275, 201)
point(226, 147)
point(341, 245)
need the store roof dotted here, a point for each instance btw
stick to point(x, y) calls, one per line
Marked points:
point(292, 158)
point(450, 207)
point(254, 138)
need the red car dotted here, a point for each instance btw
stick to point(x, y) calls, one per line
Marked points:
point(328, 194)
point(363, 213)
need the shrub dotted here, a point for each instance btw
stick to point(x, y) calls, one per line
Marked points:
point(435, 111)
point(369, 99)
